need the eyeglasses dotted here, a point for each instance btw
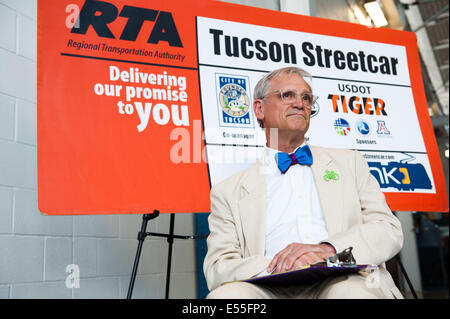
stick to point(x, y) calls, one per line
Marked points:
point(290, 96)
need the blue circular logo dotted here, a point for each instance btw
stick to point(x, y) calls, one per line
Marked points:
point(363, 127)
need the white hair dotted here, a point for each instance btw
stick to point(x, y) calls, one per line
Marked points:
point(263, 85)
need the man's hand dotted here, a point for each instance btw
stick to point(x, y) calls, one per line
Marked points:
point(297, 255)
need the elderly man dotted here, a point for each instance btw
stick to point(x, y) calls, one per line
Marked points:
point(282, 213)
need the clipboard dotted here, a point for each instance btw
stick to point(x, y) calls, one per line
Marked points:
point(340, 264)
point(308, 275)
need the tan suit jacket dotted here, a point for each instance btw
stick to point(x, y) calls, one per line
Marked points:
point(354, 208)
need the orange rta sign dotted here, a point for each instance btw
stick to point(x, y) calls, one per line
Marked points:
point(99, 14)
point(145, 105)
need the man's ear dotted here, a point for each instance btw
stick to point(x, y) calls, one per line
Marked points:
point(258, 109)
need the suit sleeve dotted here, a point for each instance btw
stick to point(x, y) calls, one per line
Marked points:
point(224, 260)
point(379, 237)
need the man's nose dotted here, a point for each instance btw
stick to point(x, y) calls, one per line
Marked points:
point(298, 102)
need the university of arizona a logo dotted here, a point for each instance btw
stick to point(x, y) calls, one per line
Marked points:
point(382, 130)
point(233, 101)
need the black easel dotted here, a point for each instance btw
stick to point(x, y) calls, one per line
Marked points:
point(170, 237)
point(397, 257)
point(403, 270)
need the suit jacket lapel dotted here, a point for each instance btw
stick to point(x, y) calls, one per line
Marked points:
point(252, 209)
point(330, 192)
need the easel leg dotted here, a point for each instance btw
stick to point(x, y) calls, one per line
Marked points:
point(141, 237)
point(169, 257)
point(406, 276)
point(403, 270)
point(170, 237)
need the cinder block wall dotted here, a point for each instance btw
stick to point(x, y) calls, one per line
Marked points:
point(35, 249)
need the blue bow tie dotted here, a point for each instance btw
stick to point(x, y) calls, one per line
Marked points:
point(302, 156)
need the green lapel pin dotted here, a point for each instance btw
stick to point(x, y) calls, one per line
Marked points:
point(330, 175)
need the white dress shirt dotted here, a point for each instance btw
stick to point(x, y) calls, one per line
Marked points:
point(293, 208)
